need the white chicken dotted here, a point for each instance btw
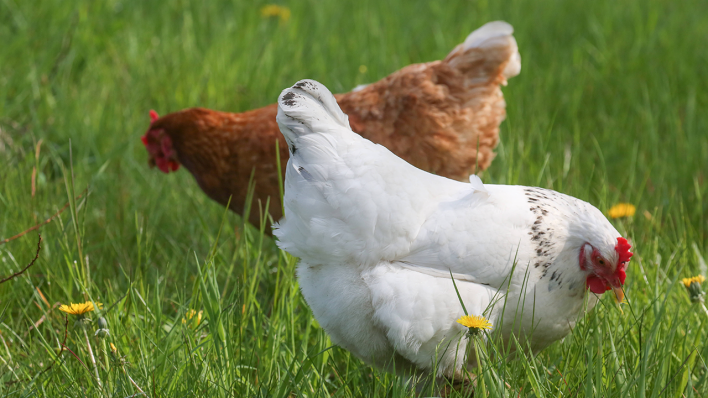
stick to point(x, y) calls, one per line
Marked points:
point(378, 239)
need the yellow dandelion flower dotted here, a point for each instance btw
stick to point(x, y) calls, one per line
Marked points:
point(274, 10)
point(190, 314)
point(113, 349)
point(694, 279)
point(79, 309)
point(475, 323)
point(622, 210)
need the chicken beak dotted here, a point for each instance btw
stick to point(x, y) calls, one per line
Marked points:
point(619, 294)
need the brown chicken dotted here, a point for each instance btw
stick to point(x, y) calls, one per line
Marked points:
point(440, 116)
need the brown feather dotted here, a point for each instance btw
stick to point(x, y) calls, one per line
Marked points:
point(441, 116)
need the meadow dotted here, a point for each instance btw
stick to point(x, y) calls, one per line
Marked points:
point(609, 107)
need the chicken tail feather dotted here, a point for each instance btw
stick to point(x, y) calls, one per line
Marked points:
point(308, 107)
point(489, 53)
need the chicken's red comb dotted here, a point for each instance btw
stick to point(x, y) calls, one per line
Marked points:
point(153, 115)
point(622, 249)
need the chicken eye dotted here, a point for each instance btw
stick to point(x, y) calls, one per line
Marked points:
point(601, 261)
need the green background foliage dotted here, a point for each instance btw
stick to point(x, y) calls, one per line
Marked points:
point(607, 108)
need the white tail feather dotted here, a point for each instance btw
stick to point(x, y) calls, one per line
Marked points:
point(307, 107)
point(493, 37)
point(488, 31)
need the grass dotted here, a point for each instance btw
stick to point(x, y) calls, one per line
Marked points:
point(608, 108)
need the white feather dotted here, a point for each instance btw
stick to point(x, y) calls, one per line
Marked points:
point(477, 184)
point(496, 34)
point(488, 32)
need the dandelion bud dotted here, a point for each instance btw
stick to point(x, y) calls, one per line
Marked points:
point(693, 286)
point(102, 328)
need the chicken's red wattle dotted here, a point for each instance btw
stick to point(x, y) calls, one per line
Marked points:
point(596, 284)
